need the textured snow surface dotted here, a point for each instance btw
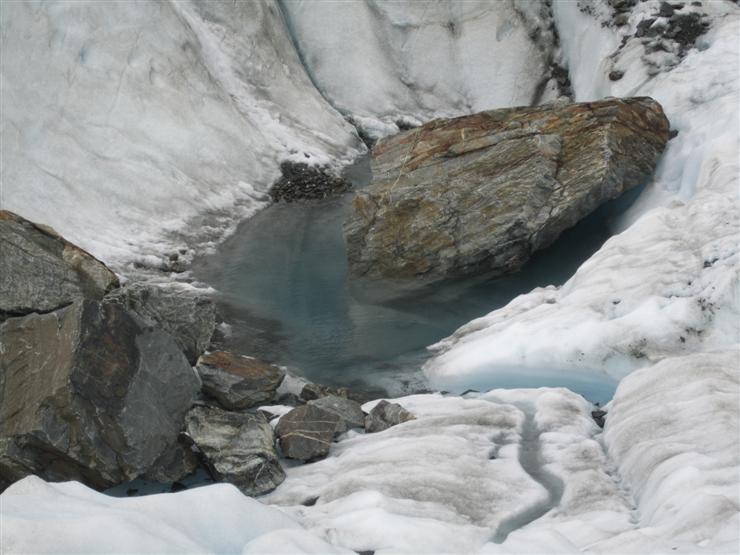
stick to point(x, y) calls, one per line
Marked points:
point(508, 471)
point(385, 62)
point(138, 128)
point(668, 284)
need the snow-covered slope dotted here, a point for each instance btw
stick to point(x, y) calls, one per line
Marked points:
point(408, 62)
point(139, 128)
point(668, 284)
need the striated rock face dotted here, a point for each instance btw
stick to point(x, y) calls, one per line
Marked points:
point(481, 193)
point(384, 415)
point(306, 432)
point(239, 448)
point(88, 393)
point(238, 382)
point(41, 271)
point(188, 317)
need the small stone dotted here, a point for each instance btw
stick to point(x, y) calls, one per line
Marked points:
point(599, 417)
point(616, 75)
point(384, 415)
point(665, 10)
point(238, 382)
point(238, 448)
point(312, 391)
point(349, 412)
point(306, 432)
point(621, 19)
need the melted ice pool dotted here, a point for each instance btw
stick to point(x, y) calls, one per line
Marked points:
point(285, 290)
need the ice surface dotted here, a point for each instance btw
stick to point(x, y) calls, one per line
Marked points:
point(139, 128)
point(415, 60)
point(668, 284)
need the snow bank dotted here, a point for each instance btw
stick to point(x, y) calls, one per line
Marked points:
point(139, 128)
point(408, 62)
point(38, 517)
point(668, 284)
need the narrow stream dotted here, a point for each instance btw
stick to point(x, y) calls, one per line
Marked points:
point(284, 289)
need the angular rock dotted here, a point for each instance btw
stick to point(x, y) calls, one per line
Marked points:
point(306, 432)
point(190, 318)
point(349, 412)
point(174, 464)
point(481, 193)
point(236, 381)
point(312, 391)
point(238, 447)
point(89, 393)
point(384, 415)
point(41, 271)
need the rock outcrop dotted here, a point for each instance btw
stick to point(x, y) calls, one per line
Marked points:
point(188, 317)
point(89, 393)
point(306, 432)
point(41, 271)
point(349, 412)
point(481, 193)
point(238, 382)
point(384, 415)
point(238, 447)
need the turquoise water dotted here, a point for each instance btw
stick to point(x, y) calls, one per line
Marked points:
point(284, 288)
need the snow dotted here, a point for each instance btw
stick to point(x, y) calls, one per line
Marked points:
point(138, 129)
point(668, 284)
point(388, 61)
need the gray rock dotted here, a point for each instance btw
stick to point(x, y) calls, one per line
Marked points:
point(41, 271)
point(190, 318)
point(384, 415)
point(481, 193)
point(174, 464)
point(89, 393)
point(238, 382)
point(306, 432)
point(349, 412)
point(239, 448)
point(313, 391)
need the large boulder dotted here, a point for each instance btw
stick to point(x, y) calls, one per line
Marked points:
point(238, 382)
point(41, 271)
point(481, 193)
point(306, 432)
point(238, 447)
point(349, 412)
point(89, 393)
point(189, 317)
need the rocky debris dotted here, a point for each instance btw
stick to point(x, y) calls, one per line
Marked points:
point(599, 417)
point(237, 447)
point(312, 391)
point(189, 317)
point(481, 193)
point(306, 432)
point(41, 271)
point(384, 415)
point(238, 382)
point(303, 182)
point(349, 412)
point(89, 393)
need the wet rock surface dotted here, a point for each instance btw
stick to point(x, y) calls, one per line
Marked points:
point(481, 193)
point(236, 381)
point(41, 271)
point(384, 415)
point(349, 412)
point(306, 432)
point(238, 448)
point(89, 393)
point(303, 182)
point(190, 318)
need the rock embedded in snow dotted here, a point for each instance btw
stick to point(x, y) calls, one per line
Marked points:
point(190, 318)
point(384, 415)
point(237, 381)
point(481, 193)
point(238, 447)
point(306, 432)
point(349, 412)
point(89, 393)
point(41, 271)
point(300, 181)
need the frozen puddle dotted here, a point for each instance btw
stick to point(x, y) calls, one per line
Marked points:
point(284, 288)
